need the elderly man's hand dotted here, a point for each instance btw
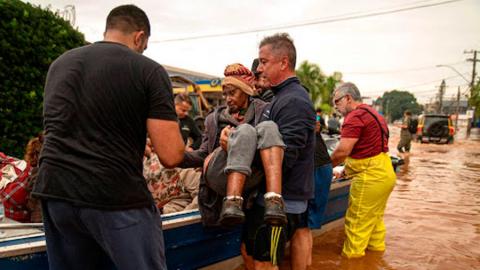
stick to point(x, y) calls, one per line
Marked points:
point(224, 137)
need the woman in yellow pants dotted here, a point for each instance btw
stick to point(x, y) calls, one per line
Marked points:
point(373, 180)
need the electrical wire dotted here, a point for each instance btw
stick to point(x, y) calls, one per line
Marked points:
point(406, 88)
point(343, 17)
point(436, 90)
point(398, 70)
point(420, 84)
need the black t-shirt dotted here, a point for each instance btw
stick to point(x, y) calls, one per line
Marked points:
point(188, 128)
point(97, 100)
point(321, 152)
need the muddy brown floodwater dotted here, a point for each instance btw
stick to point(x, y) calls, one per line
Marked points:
point(432, 217)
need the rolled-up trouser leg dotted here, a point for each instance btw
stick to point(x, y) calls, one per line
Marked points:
point(271, 146)
point(404, 143)
point(268, 135)
point(242, 144)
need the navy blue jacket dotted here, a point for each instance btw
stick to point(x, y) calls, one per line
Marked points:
point(293, 112)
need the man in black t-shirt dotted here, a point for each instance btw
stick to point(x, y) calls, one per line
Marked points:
point(100, 100)
point(188, 128)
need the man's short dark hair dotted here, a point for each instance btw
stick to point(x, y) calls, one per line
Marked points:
point(128, 19)
point(282, 43)
point(255, 64)
point(182, 97)
point(409, 113)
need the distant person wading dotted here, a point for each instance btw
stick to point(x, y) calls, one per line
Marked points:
point(405, 133)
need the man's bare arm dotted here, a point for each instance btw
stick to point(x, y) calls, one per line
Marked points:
point(342, 151)
point(167, 141)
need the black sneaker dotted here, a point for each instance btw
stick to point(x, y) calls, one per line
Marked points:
point(232, 213)
point(275, 211)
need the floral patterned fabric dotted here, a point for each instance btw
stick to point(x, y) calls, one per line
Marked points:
point(14, 175)
point(172, 189)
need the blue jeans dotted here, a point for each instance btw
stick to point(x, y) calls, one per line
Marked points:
point(316, 206)
point(85, 238)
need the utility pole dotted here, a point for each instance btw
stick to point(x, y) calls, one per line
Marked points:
point(457, 109)
point(474, 60)
point(472, 83)
point(441, 91)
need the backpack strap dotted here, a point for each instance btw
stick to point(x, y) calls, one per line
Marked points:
point(387, 133)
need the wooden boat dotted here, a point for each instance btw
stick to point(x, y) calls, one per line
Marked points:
point(188, 245)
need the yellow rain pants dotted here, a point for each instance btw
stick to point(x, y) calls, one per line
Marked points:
point(373, 180)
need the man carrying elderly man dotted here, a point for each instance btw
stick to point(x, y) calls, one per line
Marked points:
point(233, 167)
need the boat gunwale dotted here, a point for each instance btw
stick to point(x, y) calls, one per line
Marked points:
point(169, 221)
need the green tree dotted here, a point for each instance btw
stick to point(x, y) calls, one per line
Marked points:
point(30, 39)
point(319, 85)
point(312, 78)
point(474, 100)
point(395, 102)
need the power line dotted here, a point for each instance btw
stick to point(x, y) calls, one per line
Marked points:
point(422, 94)
point(343, 17)
point(387, 71)
point(420, 84)
point(435, 90)
point(410, 86)
point(397, 70)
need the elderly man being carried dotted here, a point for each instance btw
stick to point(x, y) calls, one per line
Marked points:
point(237, 153)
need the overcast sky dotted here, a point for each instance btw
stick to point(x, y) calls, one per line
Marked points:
point(379, 53)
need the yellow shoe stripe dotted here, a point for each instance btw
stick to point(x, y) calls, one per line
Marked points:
point(276, 232)
point(272, 236)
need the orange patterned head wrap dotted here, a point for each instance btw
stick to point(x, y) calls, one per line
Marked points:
point(239, 76)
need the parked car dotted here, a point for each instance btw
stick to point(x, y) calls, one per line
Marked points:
point(435, 128)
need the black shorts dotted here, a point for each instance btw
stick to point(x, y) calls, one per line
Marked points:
point(267, 243)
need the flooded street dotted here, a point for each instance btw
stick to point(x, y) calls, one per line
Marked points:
point(432, 218)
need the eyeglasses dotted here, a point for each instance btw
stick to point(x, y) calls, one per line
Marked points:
point(336, 101)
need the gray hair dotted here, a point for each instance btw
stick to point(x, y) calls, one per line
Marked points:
point(348, 89)
point(282, 44)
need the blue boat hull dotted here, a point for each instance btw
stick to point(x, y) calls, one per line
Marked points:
point(188, 244)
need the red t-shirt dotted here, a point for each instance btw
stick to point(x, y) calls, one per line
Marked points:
point(362, 125)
